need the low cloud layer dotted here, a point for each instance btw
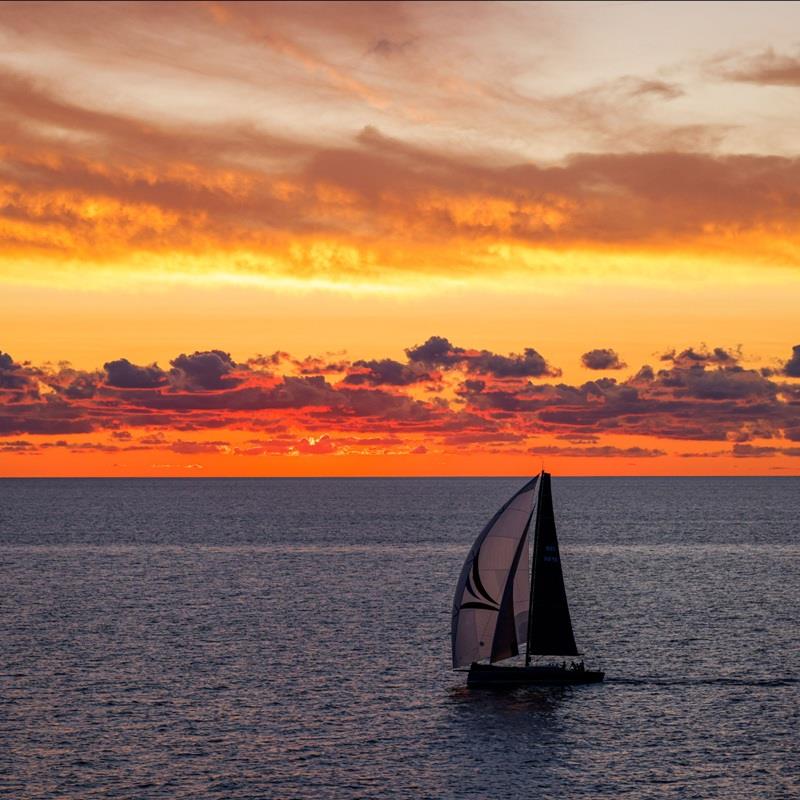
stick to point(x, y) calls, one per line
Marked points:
point(443, 398)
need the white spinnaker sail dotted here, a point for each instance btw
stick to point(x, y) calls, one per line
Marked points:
point(501, 548)
point(522, 591)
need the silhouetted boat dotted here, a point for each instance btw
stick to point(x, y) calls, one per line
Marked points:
point(507, 596)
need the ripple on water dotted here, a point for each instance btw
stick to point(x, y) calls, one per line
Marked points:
point(290, 639)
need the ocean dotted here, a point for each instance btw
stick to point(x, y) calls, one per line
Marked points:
point(291, 639)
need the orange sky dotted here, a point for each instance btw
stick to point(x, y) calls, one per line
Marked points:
point(396, 239)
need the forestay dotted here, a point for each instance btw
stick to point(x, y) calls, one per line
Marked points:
point(490, 607)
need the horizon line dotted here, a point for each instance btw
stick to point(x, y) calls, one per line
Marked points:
point(352, 477)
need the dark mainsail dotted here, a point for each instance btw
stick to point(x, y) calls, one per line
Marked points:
point(549, 623)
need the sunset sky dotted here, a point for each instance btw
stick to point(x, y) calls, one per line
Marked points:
point(399, 239)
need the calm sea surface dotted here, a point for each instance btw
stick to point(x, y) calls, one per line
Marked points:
point(290, 639)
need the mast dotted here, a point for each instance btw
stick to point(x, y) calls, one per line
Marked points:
point(533, 569)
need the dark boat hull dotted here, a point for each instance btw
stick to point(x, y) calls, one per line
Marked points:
point(492, 675)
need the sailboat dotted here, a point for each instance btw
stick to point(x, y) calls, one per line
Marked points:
point(508, 597)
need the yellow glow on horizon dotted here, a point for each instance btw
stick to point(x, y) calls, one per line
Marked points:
point(329, 265)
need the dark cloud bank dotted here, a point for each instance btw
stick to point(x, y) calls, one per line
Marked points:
point(454, 396)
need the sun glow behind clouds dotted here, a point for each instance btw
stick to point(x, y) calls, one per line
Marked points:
point(431, 412)
point(490, 269)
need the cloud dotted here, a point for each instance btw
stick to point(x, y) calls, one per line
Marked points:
point(386, 371)
point(584, 438)
point(660, 89)
point(481, 437)
point(17, 446)
point(604, 358)
point(440, 352)
point(12, 375)
point(703, 356)
point(382, 405)
point(757, 451)
point(321, 446)
point(792, 367)
point(725, 383)
point(436, 352)
point(204, 370)
point(186, 447)
point(529, 364)
point(598, 452)
point(767, 68)
point(792, 434)
point(388, 48)
point(80, 447)
point(124, 375)
point(72, 383)
point(228, 190)
point(155, 439)
point(304, 392)
point(696, 398)
point(315, 365)
point(308, 208)
point(452, 396)
point(18, 422)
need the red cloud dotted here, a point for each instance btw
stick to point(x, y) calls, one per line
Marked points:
point(702, 395)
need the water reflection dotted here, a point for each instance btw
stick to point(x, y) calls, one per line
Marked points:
point(538, 699)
